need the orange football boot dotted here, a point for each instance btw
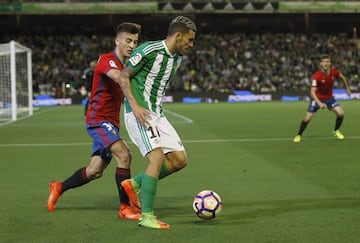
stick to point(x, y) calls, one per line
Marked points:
point(55, 193)
point(132, 194)
point(127, 212)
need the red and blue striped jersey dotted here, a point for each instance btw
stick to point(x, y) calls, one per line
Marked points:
point(106, 95)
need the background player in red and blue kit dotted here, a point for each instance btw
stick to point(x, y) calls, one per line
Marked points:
point(321, 93)
point(103, 122)
point(87, 77)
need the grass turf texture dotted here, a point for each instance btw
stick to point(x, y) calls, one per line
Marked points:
point(273, 190)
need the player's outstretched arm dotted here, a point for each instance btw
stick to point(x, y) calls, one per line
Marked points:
point(343, 79)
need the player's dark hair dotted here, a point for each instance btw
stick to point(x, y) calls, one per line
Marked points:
point(324, 56)
point(181, 24)
point(128, 27)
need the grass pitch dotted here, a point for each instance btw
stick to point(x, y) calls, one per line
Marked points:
point(273, 190)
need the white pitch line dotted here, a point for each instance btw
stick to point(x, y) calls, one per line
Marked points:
point(185, 141)
point(25, 117)
point(44, 144)
point(18, 119)
point(256, 139)
point(179, 116)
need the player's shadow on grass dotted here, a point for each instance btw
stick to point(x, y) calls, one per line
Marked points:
point(236, 212)
point(245, 212)
point(87, 203)
point(180, 213)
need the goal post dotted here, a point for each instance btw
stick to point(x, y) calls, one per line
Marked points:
point(16, 94)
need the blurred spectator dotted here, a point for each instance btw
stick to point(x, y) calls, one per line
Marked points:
point(218, 63)
point(269, 62)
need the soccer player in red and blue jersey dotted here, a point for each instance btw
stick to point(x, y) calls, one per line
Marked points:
point(322, 97)
point(103, 122)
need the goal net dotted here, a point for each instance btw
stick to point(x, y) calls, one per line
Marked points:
point(15, 82)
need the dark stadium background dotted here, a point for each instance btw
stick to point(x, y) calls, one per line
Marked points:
point(154, 25)
point(15, 24)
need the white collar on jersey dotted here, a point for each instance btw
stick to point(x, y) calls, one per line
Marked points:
point(167, 50)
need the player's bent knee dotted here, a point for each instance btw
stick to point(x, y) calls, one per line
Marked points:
point(122, 155)
point(180, 163)
point(94, 175)
point(123, 159)
point(98, 175)
point(94, 171)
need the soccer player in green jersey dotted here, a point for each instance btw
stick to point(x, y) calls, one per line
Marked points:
point(150, 70)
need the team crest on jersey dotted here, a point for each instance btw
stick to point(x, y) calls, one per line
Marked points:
point(134, 60)
point(112, 64)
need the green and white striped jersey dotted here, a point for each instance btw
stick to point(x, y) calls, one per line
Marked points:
point(154, 68)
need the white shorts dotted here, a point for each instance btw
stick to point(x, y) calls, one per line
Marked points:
point(158, 134)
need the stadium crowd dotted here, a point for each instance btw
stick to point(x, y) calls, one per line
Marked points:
point(267, 62)
point(218, 63)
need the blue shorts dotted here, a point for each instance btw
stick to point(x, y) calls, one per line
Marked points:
point(104, 134)
point(314, 107)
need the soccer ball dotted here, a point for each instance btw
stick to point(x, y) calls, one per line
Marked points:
point(207, 204)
